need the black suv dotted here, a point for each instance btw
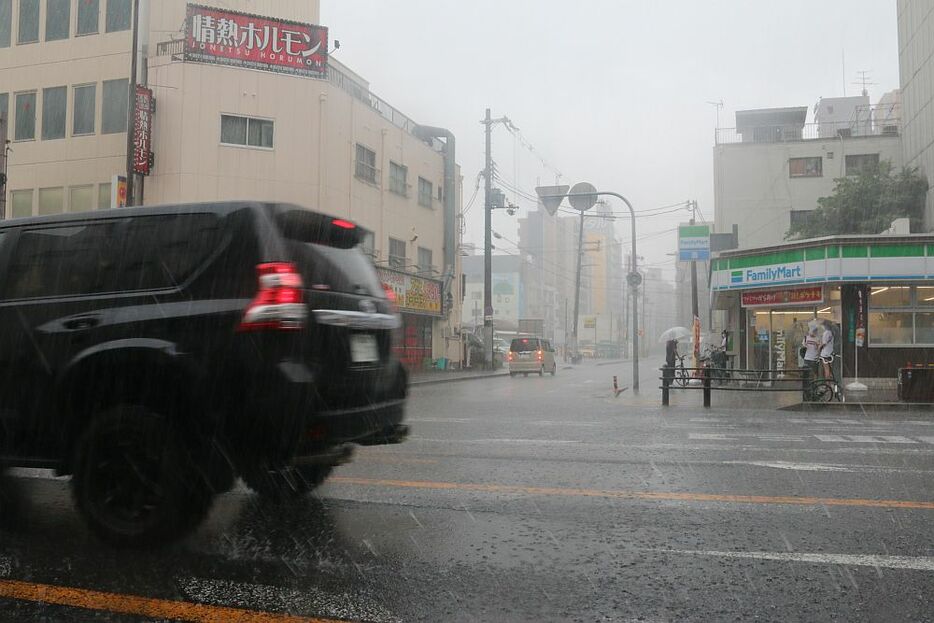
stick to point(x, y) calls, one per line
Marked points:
point(157, 353)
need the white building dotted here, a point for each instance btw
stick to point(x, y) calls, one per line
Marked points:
point(916, 66)
point(244, 110)
point(774, 166)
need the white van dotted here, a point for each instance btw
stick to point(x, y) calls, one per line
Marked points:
point(531, 354)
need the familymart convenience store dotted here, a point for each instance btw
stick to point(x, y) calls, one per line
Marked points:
point(877, 292)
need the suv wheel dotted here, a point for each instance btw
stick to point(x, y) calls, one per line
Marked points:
point(288, 483)
point(134, 480)
point(554, 368)
point(541, 371)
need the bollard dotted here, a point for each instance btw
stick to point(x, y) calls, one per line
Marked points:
point(805, 384)
point(667, 373)
point(706, 373)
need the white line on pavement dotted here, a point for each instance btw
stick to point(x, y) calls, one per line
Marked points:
point(798, 467)
point(519, 441)
point(917, 563)
point(344, 606)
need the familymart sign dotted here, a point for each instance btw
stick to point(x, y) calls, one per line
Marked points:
point(693, 242)
point(826, 263)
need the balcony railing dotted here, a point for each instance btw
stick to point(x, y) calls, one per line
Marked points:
point(170, 48)
point(809, 131)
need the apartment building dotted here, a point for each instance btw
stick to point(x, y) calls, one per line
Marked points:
point(247, 105)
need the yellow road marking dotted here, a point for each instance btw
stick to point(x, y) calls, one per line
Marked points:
point(663, 496)
point(140, 606)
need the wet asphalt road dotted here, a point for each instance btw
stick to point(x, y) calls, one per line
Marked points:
point(534, 499)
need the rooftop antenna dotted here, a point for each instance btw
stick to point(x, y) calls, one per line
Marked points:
point(719, 106)
point(865, 81)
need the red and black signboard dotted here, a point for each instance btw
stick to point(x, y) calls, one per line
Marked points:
point(226, 37)
point(142, 131)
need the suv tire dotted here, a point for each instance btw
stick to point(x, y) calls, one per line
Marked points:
point(134, 481)
point(288, 483)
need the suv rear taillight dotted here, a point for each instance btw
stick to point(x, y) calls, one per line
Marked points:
point(279, 303)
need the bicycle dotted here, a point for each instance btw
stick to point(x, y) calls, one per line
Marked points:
point(823, 389)
point(715, 359)
point(681, 375)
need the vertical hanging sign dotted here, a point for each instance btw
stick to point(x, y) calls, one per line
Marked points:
point(142, 131)
point(860, 334)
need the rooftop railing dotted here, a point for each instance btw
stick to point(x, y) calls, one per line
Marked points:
point(809, 131)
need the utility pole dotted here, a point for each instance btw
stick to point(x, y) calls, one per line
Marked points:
point(577, 286)
point(488, 245)
point(695, 311)
point(131, 108)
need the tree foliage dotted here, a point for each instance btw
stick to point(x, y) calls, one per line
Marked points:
point(866, 204)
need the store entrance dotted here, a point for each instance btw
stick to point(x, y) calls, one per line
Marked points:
point(776, 335)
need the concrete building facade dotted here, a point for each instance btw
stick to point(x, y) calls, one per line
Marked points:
point(773, 167)
point(229, 132)
point(916, 69)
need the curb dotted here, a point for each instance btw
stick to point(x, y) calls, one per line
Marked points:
point(613, 362)
point(860, 406)
point(457, 379)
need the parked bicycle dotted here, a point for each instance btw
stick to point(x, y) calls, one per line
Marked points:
point(716, 360)
point(682, 374)
point(823, 389)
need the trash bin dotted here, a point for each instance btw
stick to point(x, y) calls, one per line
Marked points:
point(916, 384)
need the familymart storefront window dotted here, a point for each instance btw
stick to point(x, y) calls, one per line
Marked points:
point(901, 316)
point(875, 293)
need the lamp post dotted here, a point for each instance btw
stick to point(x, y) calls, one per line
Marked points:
point(552, 200)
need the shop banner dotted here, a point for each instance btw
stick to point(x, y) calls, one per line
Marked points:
point(860, 336)
point(142, 131)
point(226, 37)
point(413, 294)
point(783, 298)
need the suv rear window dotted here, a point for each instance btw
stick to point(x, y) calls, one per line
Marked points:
point(524, 345)
point(328, 255)
point(143, 253)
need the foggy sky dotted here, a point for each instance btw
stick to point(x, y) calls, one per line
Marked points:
point(613, 92)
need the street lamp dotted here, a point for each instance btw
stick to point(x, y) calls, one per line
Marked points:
point(551, 197)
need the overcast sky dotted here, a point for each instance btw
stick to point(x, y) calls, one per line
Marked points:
point(613, 92)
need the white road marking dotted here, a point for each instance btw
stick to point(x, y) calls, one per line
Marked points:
point(798, 467)
point(517, 441)
point(917, 563)
point(453, 420)
point(344, 606)
point(831, 438)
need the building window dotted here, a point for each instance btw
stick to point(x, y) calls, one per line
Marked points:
point(424, 261)
point(365, 168)
point(805, 167)
point(22, 203)
point(57, 19)
point(103, 196)
point(113, 106)
point(88, 17)
point(54, 103)
point(6, 22)
point(398, 179)
point(5, 109)
point(901, 316)
point(396, 253)
point(85, 109)
point(81, 199)
point(28, 31)
point(247, 132)
point(858, 164)
point(119, 15)
point(425, 192)
point(24, 128)
point(51, 201)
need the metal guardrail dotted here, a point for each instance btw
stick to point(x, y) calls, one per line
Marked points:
point(710, 379)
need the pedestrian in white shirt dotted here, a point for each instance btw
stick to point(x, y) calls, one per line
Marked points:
point(826, 349)
point(811, 345)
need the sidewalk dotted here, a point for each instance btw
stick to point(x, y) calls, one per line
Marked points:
point(432, 377)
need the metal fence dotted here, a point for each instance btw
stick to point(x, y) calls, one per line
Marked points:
point(808, 131)
point(710, 378)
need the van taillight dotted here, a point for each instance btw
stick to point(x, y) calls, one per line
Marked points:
point(279, 303)
point(541, 356)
